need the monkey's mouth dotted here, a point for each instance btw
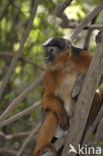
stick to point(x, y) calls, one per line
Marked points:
point(49, 58)
point(48, 62)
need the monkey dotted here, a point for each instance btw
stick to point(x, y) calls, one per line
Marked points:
point(63, 62)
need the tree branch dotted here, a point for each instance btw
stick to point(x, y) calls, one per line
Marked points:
point(20, 114)
point(15, 58)
point(59, 11)
point(93, 126)
point(84, 23)
point(86, 97)
point(89, 33)
point(4, 151)
point(26, 141)
point(91, 26)
point(5, 10)
point(17, 100)
point(22, 59)
point(12, 136)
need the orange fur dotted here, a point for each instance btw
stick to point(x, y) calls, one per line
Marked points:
point(46, 133)
point(64, 66)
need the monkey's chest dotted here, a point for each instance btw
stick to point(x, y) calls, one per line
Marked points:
point(64, 92)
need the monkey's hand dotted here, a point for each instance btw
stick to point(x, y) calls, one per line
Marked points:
point(55, 105)
point(62, 116)
point(78, 85)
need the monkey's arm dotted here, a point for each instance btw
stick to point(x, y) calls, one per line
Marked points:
point(55, 105)
point(78, 85)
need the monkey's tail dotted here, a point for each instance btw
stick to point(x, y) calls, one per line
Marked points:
point(46, 134)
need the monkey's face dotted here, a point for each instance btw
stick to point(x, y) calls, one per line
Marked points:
point(52, 47)
point(50, 54)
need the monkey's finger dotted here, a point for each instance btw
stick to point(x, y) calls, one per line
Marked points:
point(66, 122)
point(63, 121)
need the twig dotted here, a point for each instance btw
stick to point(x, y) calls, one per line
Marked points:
point(99, 136)
point(22, 59)
point(87, 39)
point(5, 10)
point(61, 7)
point(17, 100)
point(83, 24)
point(59, 11)
point(4, 151)
point(92, 27)
point(89, 33)
point(26, 141)
point(12, 136)
point(15, 58)
point(20, 114)
point(86, 97)
point(93, 126)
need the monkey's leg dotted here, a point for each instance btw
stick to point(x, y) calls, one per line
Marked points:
point(46, 132)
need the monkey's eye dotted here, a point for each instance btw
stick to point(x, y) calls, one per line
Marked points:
point(53, 50)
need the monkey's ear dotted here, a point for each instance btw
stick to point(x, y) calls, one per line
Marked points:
point(76, 51)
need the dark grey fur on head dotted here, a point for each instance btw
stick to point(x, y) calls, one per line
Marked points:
point(61, 43)
point(53, 46)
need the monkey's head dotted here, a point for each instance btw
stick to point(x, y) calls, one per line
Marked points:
point(52, 47)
